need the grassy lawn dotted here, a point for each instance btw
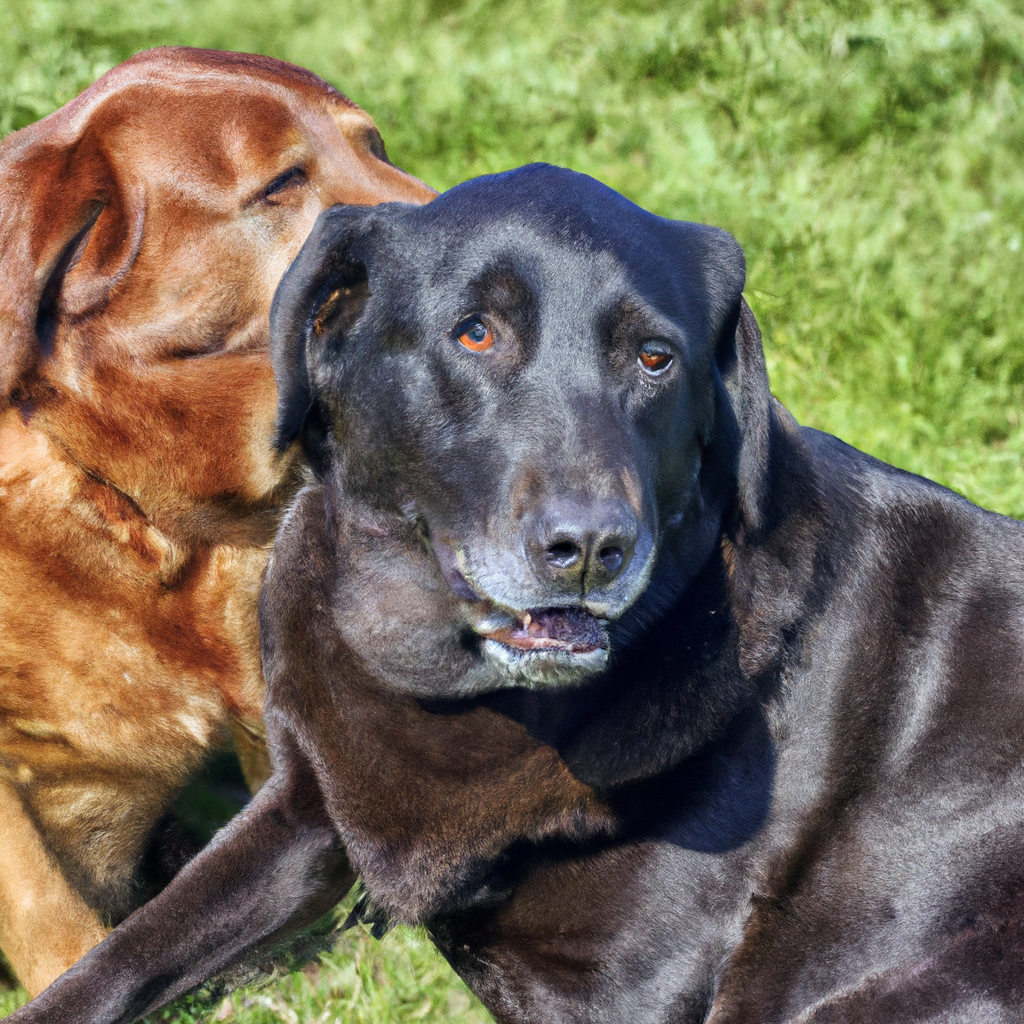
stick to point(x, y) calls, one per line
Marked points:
point(400, 979)
point(869, 157)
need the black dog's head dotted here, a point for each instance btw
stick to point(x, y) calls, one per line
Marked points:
point(526, 368)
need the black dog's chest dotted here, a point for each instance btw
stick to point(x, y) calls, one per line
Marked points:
point(636, 933)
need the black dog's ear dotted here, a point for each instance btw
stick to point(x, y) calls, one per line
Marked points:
point(738, 355)
point(742, 367)
point(320, 296)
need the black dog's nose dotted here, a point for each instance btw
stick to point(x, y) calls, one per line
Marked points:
point(582, 545)
point(563, 554)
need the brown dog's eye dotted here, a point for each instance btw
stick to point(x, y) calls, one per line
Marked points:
point(654, 358)
point(293, 176)
point(475, 335)
point(375, 144)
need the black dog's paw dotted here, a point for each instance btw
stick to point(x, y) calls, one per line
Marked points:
point(365, 911)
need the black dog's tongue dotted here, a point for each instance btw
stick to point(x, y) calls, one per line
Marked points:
point(564, 629)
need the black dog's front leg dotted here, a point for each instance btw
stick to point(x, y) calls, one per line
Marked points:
point(279, 864)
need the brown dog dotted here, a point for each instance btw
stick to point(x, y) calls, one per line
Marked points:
point(143, 229)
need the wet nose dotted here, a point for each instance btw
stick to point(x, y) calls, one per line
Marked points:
point(580, 546)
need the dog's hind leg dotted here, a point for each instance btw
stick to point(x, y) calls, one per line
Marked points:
point(44, 924)
point(278, 865)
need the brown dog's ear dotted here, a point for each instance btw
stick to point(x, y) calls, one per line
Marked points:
point(318, 298)
point(69, 231)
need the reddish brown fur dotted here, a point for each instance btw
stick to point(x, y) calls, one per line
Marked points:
point(138, 486)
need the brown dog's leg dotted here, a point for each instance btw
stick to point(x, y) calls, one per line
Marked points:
point(44, 925)
point(277, 866)
point(250, 743)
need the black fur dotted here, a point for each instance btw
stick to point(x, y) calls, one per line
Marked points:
point(789, 788)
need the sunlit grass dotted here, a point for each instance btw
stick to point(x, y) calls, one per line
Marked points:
point(869, 157)
point(363, 981)
point(359, 981)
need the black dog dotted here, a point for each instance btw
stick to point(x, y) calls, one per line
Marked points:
point(653, 705)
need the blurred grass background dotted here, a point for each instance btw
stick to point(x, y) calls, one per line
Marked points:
point(869, 157)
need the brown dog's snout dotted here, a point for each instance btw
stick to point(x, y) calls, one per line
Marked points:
point(582, 545)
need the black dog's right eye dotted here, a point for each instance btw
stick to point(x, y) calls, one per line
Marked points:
point(475, 335)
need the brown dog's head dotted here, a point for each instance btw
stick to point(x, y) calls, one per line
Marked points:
point(143, 230)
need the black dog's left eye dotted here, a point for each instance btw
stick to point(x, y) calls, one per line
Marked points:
point(655, 358)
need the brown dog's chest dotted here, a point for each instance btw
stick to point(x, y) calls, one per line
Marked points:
point(113, 686)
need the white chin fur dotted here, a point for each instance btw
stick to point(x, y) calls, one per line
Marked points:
point(543, 667)
point(503, 667)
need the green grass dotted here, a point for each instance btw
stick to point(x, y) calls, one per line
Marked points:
point(399, 979)
point(869, 156)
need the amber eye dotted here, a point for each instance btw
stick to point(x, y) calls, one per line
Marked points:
point(475, 335)
point(655, 358)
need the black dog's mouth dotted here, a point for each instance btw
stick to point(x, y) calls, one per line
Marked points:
point(543, 646)
point(565, 630)
point(555, 642)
